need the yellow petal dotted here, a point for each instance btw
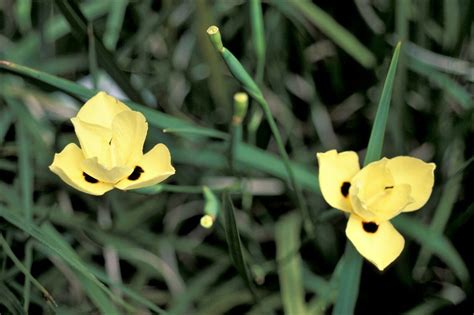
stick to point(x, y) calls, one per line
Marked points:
point(416, 173)
point(371, 181)
point(129, 130)
point(101, 109)
point(391, 202)
point(108, 175)
point(380, 244)
point(374, 194)
point(154, 167)
point(67, 165)
point(94, 141)
point(335, 174)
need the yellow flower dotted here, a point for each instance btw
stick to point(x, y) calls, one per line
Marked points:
point(374, 195)
point(111, 136)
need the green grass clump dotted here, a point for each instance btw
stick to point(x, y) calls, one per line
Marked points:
point(317, 76)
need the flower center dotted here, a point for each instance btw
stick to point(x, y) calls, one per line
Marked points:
point(89, 178)
point(137, 172)
point(345, 188)
point(370, 227)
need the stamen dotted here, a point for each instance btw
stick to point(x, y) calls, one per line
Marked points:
point(137, 172)
point(388, 187)
point(370, 227)
point(345, 188)
point(89, 178)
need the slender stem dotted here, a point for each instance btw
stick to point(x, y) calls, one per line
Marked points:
point(258, 38)
point(309, 228)
point(111, 257)
point(235, 187)
point(239, 72)
point(9, 252)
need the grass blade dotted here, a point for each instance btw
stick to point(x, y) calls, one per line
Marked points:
point(10, 301)
point(287, 238)
point(93, 291)
point(52, 245)
point(78, 22)
point(234, 243)
point(349, 284)
point(336, 32)
point(247, 155)
point(7, 249)
point(114, 23)
point(446, 203)
point(210, 133)
point(434, 242)
point(443, 81)
point(258, 37)
point(375, 146)
point(249, 85)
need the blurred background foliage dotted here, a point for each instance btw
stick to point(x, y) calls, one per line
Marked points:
point(321, 67)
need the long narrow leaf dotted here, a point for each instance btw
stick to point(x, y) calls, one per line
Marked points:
point(247, 155)
point(434, 242)
point(287, 238)
point(349, 284)
point(342, 37)
point(10, 301)
point(78, 22)
point(25, 271)
point(375, 146)
point(234, 243)
point(51, 244)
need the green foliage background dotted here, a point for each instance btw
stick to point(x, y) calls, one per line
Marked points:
point(318, 72)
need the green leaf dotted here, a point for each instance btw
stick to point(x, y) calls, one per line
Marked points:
point(25, 167)
point(349, 281)
point(212, 205)
point(287, 238)
point(258, 37)
point(210, 133)
point(342, 37)
point(78, 23)
point(53, 245)
point(6, 119)
point(434, 242)
point(25, 271)
point(133, 295)
point(10, 301)
point(351, 269)
point(96, 293)
point(196, 287)
point(114, 23)
point(446, 203)
point(234, 243)
point(444, 82)
point(375, 146)
point(247, 155)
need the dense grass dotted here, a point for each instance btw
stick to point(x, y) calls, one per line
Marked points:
point(319, 78)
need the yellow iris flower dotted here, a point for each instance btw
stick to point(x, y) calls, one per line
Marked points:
point(111, 136)
point(373, 195)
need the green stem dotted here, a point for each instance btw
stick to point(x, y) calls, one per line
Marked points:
point(258, 38)
point(8, 251)
point(253, 90)
point(309, 228)
point(235, 187)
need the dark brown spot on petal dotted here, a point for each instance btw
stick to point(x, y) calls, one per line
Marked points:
point(137, 172)
point(370, 227)
point(89, 178)
point(345, 188)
